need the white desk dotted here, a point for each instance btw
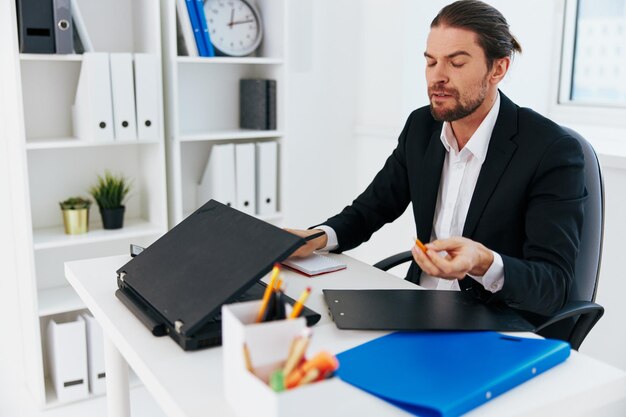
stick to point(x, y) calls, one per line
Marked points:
point(189, 384)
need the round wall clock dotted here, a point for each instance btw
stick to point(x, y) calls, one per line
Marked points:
point(235, 26)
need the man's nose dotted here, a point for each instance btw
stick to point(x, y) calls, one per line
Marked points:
point(437, 75)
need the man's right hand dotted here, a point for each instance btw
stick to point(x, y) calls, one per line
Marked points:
point(312, 245)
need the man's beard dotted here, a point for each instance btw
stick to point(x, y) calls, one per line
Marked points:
point(460, 110)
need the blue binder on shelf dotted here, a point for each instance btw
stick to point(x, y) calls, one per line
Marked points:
point(204, 28)
point(196, 27)
point(446, 373)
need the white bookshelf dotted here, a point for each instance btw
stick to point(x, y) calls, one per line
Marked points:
point(55, 237)
point(58, 300)
point(229, 60)
point(53, 164)
point(230, 135)
point(51, 57)
point(72, 142)
point(202, 105)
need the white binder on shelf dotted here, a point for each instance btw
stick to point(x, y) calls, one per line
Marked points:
point(92, 112)
point(245, 172)
point(123, 93)
point(147, 96)
point(186, 31)
point(67, 359)
point(266, 177)
point(80, 28)
point(218, 179)
point(95, 354)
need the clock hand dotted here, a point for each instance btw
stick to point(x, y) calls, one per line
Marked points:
point(239, 22)
point(232, 17)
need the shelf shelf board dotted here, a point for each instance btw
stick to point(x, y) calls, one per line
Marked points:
point(55, 237)
point(234, 134)
point(70, 142)
point(229, 60)
point(58, 300)
point(51, 57)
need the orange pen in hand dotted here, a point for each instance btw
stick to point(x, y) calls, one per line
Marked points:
point(420, 245)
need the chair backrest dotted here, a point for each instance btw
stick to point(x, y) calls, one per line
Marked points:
point(587, 271)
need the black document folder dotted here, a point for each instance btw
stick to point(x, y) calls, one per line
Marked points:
point(36, 26)
point(419, 310)
point(215, 256)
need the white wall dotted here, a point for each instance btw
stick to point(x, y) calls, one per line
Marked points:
point(323, 35)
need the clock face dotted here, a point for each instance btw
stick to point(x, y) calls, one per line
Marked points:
point(234, 26)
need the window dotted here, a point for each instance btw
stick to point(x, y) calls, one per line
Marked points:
point(593, 66)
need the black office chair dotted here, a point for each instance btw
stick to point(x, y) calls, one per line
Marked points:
point(576, 319)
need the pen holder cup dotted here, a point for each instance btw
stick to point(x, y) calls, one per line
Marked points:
point(268, 345)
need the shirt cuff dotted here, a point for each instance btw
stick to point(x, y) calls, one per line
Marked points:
point(493, 280)
point(332, 242)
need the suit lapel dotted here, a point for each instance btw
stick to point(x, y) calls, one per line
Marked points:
point(499, 153)
point(428, 188)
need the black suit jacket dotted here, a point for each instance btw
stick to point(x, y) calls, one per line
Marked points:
point(527, 205)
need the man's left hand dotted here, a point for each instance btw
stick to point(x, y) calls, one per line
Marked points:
point(463, 257)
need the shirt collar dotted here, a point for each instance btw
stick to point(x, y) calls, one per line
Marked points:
point(479, 142)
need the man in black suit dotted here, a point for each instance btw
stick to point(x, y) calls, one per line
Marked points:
point(497, 190)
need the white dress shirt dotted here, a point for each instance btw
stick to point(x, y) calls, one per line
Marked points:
point(458, 180)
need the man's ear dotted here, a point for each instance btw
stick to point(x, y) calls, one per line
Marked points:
point(499, 69)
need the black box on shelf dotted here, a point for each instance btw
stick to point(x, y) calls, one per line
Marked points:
point(257, 104)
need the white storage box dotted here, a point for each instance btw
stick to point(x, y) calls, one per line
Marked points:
point(67, 357)
point(268, 344)
point(95, 354)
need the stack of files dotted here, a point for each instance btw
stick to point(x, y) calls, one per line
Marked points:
point(229, 177)
point(95, 354)
point(194, 38)
point(446, 373)
point(67, 359)
point(257, 104)
point(117, 97)
point(266, 177)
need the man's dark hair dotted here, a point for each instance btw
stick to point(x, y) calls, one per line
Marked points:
point(486, 21)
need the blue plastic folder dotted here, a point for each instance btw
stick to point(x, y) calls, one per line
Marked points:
point(446, 373)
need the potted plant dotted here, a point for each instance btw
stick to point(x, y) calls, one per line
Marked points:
point(75, 215)
point(109, 193)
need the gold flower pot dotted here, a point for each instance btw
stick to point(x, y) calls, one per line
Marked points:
point(76, 221)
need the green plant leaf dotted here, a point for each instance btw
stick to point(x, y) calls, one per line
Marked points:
point(75, 203)
point(110, 191)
